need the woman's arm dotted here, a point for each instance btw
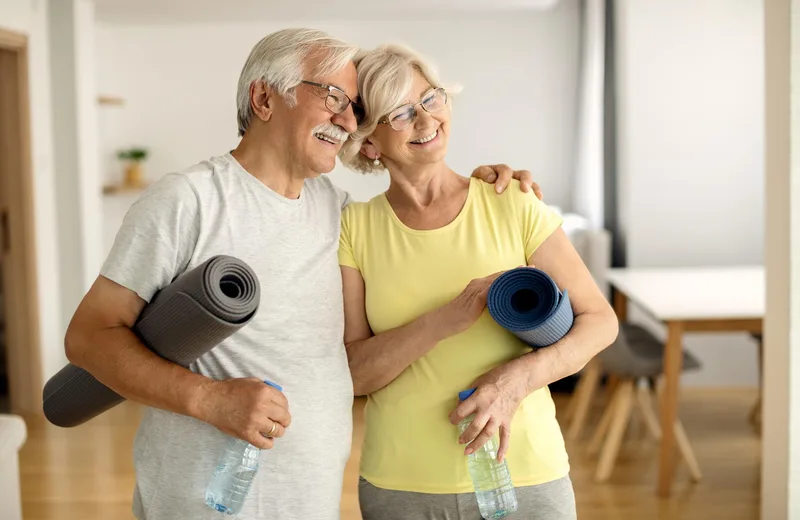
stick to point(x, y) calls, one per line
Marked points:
point(595, 326)
point(500, 391)
point(377, 360)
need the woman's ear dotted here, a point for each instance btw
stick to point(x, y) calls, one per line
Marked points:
point(369, 150)
point(262, 99)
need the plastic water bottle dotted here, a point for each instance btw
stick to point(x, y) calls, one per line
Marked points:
point(490, 478)
point(234, 474)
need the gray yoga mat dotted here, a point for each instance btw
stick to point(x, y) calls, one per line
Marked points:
point(182, 322)
point(528, 303)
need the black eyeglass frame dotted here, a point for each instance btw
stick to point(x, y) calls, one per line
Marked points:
point(332, 104)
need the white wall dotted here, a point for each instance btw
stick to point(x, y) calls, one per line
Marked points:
point(87, 122)
point(30, 17)
point(690, 120)
point(75, 122)
point(690, 98)
point(519, 71)
point(183, 11)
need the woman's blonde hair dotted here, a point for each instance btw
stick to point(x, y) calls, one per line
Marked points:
point(385, 76)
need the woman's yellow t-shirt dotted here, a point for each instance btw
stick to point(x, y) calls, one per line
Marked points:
point(410, 444)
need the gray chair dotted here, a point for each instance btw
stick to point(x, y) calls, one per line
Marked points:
point(635, 359)
point(637, 353)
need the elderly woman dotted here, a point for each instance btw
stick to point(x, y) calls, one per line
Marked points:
point(417, 262)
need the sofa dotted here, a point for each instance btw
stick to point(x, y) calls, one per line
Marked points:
point(13, 434)
point(593, 246)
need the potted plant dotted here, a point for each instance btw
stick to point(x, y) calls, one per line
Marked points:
point(134, 178)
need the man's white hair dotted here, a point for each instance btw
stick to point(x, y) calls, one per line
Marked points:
point(279, 59)
point(385, 77)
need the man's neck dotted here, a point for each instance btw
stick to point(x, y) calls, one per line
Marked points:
point(269, 166)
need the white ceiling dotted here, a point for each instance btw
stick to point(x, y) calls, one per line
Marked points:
point(192, 11)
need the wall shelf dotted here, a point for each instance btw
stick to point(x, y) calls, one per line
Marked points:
point(112, 189)
point(110, 100)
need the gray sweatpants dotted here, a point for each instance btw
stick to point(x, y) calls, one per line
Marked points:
point(550, 501)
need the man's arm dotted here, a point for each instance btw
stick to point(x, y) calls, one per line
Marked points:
point(155, 243)
point(105, 317)
point(100, 340)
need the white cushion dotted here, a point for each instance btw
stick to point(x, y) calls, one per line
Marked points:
point(593, 246)
point(13, 434)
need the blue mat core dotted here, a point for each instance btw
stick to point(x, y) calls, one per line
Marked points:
point(529, 304)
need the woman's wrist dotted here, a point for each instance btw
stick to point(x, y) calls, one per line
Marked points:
point(518, 377)
point(441, 323)
point(518, 380)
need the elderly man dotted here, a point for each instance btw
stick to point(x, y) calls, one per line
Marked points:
point(266, 203)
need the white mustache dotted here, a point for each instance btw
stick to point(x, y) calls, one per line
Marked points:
point(335, 132)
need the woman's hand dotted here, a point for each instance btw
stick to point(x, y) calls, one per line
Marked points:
point(494, 403)
point(465, 309)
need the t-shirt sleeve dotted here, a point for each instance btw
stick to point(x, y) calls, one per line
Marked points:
point(346, 254)
point(344, 197)
point(537, 220)
point(156, 239)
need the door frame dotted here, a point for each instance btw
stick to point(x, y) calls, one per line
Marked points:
point(19, 244)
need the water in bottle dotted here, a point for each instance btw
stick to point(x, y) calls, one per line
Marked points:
point(490, 478)
point(233, 475)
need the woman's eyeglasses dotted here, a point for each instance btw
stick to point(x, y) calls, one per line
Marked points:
point(337, 101)
point(402, 116)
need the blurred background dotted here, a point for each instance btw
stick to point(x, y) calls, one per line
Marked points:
point(645, 122)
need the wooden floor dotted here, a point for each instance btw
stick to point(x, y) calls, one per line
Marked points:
point(86, 472)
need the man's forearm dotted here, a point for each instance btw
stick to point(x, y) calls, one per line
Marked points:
point(377, 361)
point(118, 359)
point(590, 334)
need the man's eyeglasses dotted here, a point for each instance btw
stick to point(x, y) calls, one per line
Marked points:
point(337, 101)
point(404, 115)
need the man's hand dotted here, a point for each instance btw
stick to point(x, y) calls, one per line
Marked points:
point(246, 408)
point(501, 175)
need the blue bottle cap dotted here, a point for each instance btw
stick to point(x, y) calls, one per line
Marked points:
point(464, 395)
point(273, 385)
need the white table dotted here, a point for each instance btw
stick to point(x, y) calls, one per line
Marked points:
point(707, 299)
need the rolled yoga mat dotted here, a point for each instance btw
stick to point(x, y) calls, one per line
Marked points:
point(528, 303)
point(183, 321)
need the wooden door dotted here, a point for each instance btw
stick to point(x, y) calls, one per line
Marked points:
point(17, 239)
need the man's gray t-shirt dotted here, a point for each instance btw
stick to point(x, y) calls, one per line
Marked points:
point(295, 339)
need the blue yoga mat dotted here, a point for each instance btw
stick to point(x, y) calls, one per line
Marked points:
point(528, 303)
